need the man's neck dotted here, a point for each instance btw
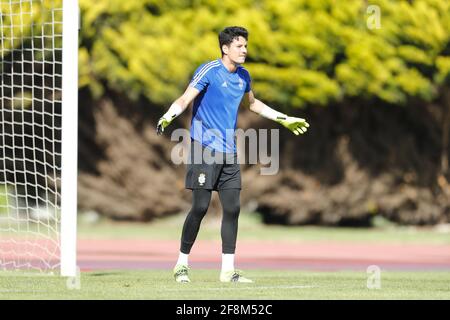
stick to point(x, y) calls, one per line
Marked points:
point(231, 66)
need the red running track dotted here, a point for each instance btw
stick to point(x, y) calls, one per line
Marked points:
point(160, 254)
point(320, 256)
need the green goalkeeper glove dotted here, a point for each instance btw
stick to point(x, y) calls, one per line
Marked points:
point(296, 125)
point(162, 124)
point(174, 111)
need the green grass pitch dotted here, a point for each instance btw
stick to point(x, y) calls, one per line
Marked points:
point(269, 284)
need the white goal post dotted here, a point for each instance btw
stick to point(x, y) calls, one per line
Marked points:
point(69, 171)
point(38, 135)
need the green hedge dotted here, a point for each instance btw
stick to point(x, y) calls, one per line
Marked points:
point(300, 52)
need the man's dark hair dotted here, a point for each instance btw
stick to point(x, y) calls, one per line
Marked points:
point(227, 35)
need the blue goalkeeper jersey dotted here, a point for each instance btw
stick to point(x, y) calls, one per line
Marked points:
point(215, 111)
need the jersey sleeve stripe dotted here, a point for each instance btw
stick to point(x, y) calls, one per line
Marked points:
point(204, 70)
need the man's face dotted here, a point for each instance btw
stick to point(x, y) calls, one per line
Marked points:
point(237, 50)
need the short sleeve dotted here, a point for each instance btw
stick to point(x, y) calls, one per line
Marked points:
point(200, 79)
point(248, 81)
point(249, 84)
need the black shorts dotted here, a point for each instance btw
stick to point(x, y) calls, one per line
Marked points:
point(202, 174)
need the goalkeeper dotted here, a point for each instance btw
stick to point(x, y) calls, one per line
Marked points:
point(217, 89)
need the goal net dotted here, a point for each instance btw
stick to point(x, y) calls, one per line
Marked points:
point(38, 138)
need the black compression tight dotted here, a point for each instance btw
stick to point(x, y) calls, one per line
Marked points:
point(230, 200)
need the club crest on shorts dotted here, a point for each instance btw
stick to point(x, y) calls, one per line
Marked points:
point(201, 179)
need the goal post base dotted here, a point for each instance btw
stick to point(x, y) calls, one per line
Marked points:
point(74, 282)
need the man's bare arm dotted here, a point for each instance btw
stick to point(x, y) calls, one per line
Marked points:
point(177, 108)
point(296, 125)
point(187, 97)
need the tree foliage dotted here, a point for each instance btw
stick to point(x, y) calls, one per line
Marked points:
point(26, 25)
point(300, 52)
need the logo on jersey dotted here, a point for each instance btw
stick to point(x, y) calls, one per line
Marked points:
point(201, 179)
point(224, 84)
point(241, 83)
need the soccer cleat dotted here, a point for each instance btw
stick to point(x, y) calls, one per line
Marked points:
point(180, 272)
point(234, 276)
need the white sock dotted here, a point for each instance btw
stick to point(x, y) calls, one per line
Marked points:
point(183, 259)
point(227, 262)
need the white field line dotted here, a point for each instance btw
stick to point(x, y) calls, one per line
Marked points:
point(186, 288)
